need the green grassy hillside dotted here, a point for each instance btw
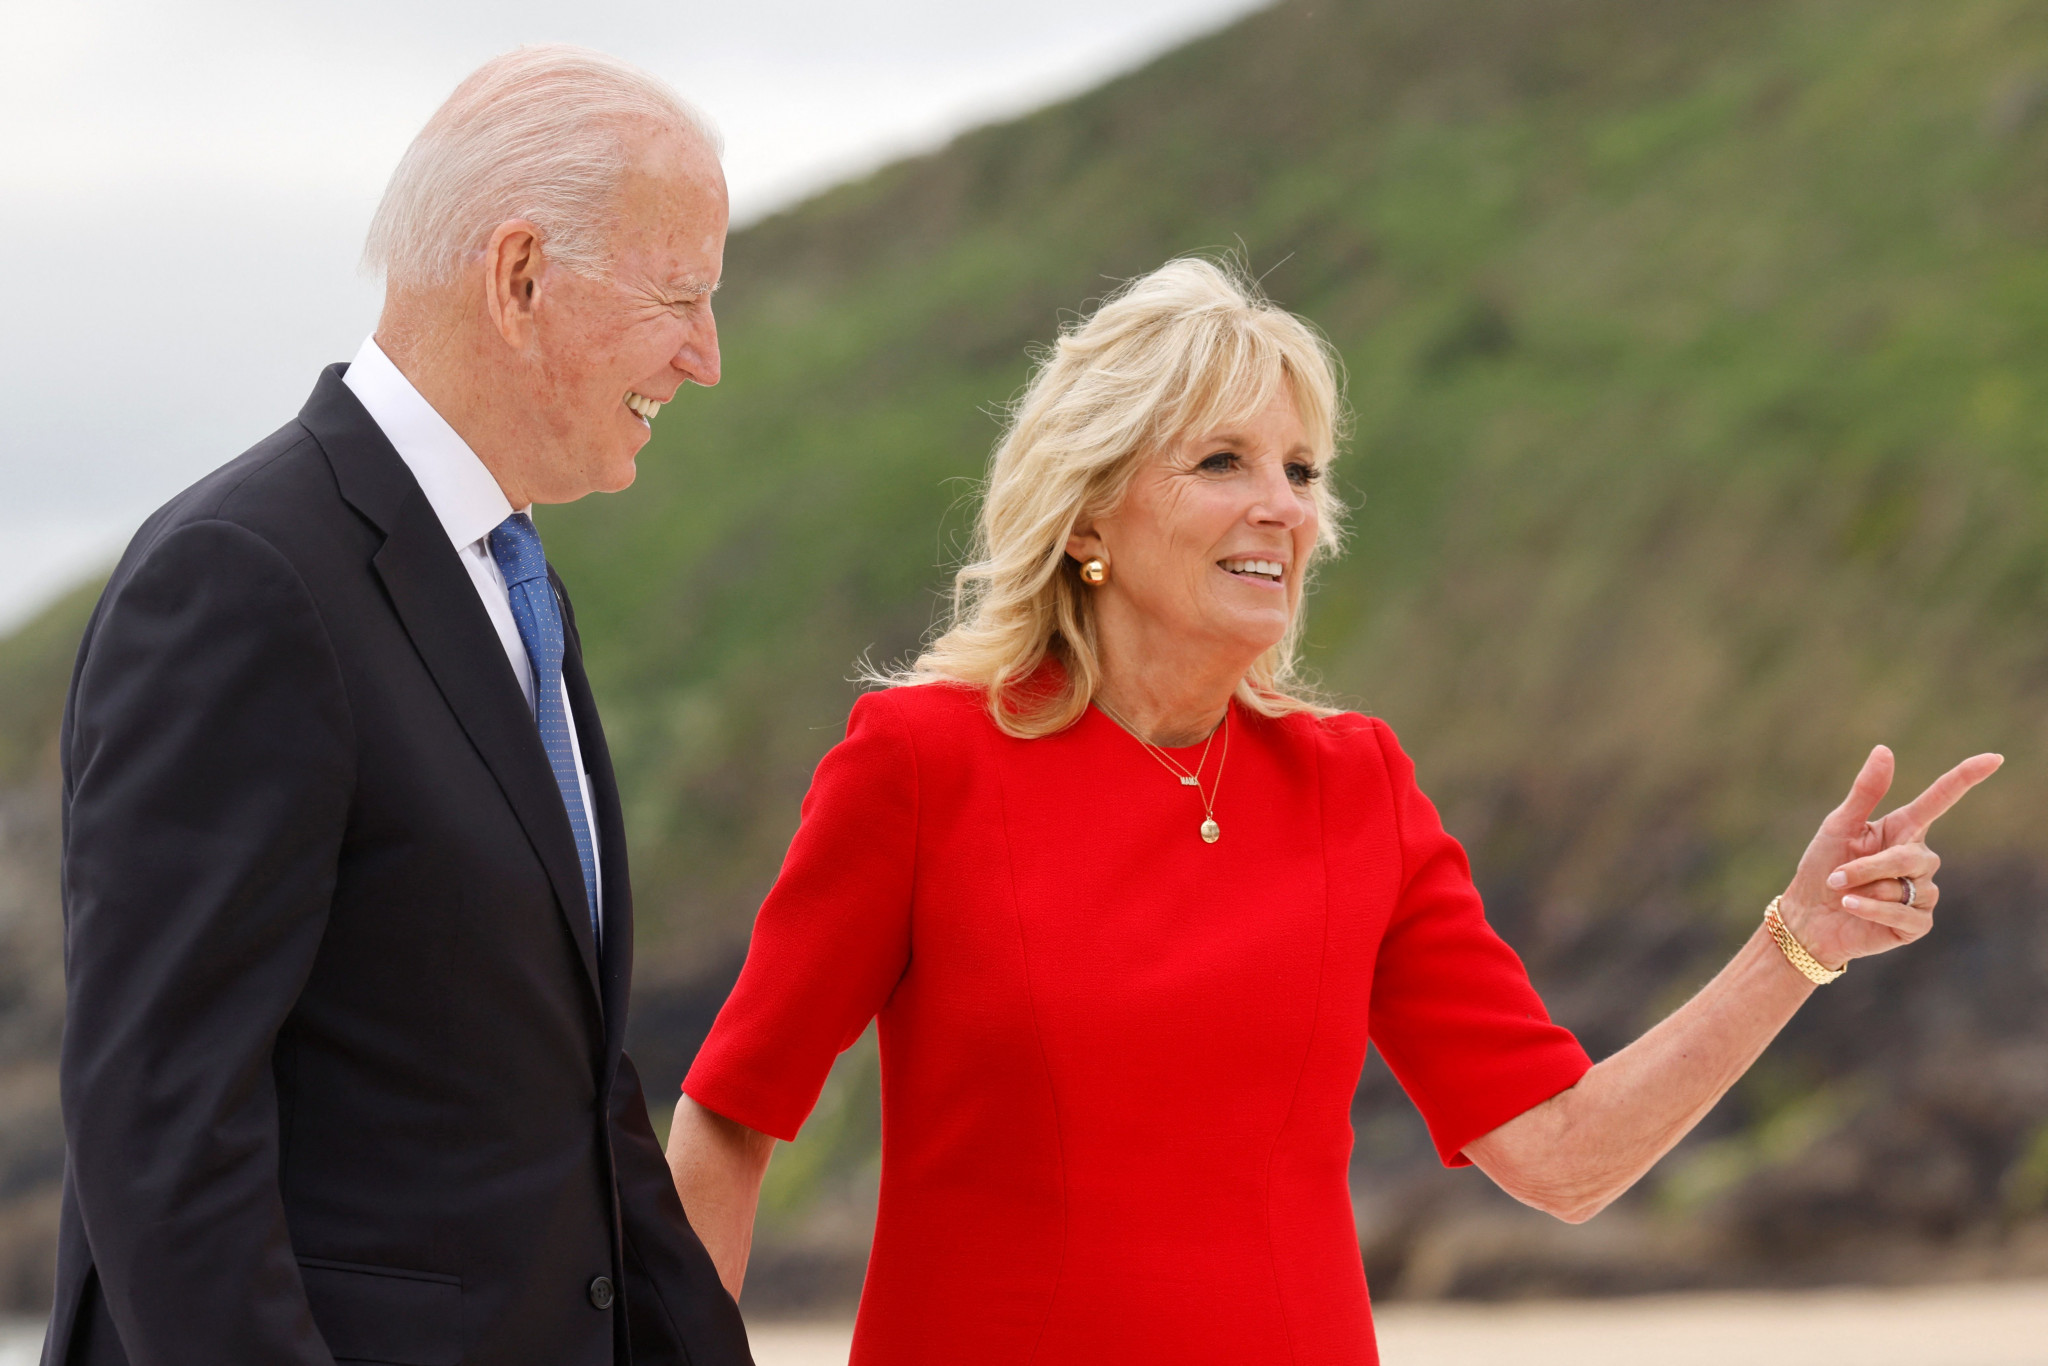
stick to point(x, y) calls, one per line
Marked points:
point(1696, 352)
point(1690, 345)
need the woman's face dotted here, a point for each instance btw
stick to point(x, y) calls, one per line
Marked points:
point(1209, 545)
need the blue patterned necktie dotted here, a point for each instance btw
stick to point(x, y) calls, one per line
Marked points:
point(515, 545)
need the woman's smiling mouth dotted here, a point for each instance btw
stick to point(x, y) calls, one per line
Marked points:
point(1264, 571)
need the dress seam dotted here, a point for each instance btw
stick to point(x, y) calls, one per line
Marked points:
point(1045, 1060)
point(909, 733)
point(1315, 1022)
point(1379, 736)
point(916, 831)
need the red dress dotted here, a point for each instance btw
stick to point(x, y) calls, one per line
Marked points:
point(1117, 1062)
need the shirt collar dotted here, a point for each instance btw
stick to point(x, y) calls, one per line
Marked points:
point(463, 493)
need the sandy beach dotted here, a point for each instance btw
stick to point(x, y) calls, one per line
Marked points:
point(2004, 1324)
point(1981, 1325)
point(21, 1344)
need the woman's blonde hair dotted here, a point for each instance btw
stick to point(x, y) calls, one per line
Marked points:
point(1191, 347)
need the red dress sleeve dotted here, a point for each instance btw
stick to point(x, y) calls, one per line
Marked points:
point(831, 940)
point(1453, 1011)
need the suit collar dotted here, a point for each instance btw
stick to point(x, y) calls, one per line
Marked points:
point(372, 478)
point(464, 494)
point(437, 604)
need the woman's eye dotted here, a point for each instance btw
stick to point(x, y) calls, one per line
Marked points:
point(1303, 475)
point(1219, 463)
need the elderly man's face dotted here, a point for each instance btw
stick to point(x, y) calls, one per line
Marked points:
point(605, 352)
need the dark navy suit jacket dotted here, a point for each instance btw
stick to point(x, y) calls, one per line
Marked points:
point(342, 1073)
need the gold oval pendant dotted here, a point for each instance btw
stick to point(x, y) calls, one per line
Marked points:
point(1211, 832)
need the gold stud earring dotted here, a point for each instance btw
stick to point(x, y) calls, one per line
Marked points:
point(1095, 572)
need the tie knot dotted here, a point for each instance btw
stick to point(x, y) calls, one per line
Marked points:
point(515, 545)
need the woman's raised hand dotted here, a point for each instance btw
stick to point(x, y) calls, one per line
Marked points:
point(1848, 898)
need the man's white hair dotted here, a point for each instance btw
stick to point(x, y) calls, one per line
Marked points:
point(544, 133)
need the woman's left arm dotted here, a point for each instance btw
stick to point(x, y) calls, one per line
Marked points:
point(1574, 1153)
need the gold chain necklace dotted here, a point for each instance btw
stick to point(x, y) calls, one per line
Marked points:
point(1211, 831)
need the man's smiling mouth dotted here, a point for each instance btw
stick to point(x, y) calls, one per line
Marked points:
point(646, 407)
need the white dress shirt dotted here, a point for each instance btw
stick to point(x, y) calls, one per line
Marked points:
point(467, 499)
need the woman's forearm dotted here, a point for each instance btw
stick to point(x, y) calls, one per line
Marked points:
point(1576, 1152)
point(1863, 887)
point(718, 1165)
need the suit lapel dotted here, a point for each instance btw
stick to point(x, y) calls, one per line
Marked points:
point(437, 604)
point(616, 965)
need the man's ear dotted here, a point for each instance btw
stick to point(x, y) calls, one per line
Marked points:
point(512, 267)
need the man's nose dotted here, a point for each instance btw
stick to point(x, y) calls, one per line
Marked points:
point(697, 358)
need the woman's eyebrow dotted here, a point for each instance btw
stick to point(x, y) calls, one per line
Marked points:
point(1239, 440)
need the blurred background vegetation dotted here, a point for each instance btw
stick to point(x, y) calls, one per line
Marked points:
point(1696, 350)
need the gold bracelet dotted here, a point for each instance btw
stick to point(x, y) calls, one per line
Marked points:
point(1795, 952)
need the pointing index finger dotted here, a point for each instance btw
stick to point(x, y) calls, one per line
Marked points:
point(1944, 792)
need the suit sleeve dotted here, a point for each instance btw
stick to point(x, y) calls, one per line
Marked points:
point(831, 940)
point(209, 767)
point(1453, 1011)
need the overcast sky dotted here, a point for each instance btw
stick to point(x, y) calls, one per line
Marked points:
point(184, 188)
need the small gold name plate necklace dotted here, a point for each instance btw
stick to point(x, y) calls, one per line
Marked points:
point(1211, 832)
